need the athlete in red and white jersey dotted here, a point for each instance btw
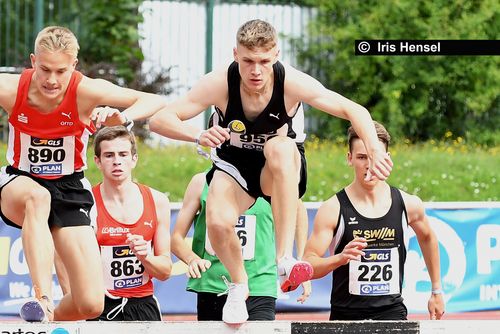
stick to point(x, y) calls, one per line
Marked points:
point(116, 256)
point(132, 231)
point(48, 145)
point(43, 190)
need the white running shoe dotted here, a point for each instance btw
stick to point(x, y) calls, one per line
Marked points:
point(235, 308)
point(293, 273)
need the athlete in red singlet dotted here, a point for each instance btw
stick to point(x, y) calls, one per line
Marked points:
point(43, 190)
point(132, 231)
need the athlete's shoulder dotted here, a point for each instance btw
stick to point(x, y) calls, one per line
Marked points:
point(328, 213)
point(413, 203)
point(159, 197)
point(8, 89)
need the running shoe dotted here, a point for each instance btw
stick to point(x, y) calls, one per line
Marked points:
point(235, 308)
point(292, 273)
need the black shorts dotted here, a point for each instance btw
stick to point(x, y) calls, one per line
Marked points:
point(210, 306)
point(392, 312)
point(246, 172)
point(135, 309)
point(71, 199)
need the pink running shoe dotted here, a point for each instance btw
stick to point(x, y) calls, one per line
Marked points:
point(292, 273)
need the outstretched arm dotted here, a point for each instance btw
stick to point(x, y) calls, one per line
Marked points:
point(98, 92)
point(210, 90)
point(309, 90)
point(190, 206)
point(429, 245)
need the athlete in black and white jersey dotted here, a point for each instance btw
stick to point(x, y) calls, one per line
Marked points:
point(365, 229)
point(263, 160)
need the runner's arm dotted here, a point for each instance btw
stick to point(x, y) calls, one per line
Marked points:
point(210, 90)
point(430, 250)
point(159, 264)
point(190, 206)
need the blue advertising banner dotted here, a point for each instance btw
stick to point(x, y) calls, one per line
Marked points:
point(469, 242)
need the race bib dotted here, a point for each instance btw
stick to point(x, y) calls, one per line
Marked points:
point(47, 156)
point(121, 268)
point(376, 274)
point(250, 141)
point(245, 230)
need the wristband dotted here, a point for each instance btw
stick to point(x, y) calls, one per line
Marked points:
point(128, 123)
point(437, 292)
point(199, 148)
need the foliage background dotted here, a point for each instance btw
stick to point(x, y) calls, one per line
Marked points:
point(417, 97)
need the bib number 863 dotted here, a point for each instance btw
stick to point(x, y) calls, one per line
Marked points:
point(127, 268)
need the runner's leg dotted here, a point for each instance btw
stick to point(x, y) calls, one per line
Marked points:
point(78, 249)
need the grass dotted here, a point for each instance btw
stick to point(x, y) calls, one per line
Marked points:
point(449, 170)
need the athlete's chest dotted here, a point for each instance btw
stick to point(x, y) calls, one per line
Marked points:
point(253, 106)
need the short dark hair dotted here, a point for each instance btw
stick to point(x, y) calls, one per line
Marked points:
point(382, 134)
point(113, 132)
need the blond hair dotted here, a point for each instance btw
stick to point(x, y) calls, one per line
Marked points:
point(382, 134)
point(256, 34)
point(56, 38)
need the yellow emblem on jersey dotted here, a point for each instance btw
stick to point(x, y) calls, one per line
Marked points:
point(236, 126)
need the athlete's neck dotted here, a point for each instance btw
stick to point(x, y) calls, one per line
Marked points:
point(259, 92)
point(368, 192)
point(118, 191)
point(40, 102)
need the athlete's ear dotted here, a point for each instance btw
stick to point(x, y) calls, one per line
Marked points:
point(134, 160)
point(388, 153)
point(33, 60)
point(349, 159)
point(97, 161)
point(235, 54)
point(75, 62)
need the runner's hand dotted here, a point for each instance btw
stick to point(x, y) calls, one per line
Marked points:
point(353, 250)
point(214, 136)
point(107, 116)
point(306, 291)
point(196, 267)
point(380, 166)
point(138, 245)
point(436, 306)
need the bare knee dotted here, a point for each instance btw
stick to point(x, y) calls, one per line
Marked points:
point(220, 223)
point(37, 198)
point(280, 153)
point(90, 308)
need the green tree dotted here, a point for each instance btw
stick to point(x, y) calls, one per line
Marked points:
point(418, 97)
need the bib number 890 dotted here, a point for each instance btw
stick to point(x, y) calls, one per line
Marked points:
point(45, 155)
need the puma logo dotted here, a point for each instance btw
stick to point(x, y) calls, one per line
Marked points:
point(85, 212)
point(67, 115)
point(277, 116)
point(149, 223)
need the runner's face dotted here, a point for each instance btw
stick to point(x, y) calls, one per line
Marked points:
point(358, 159)
point(116, 161)
point(255, 66)
point(53, 71)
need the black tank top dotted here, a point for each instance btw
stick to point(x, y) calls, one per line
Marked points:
point(250, 145)
point(377, 279)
